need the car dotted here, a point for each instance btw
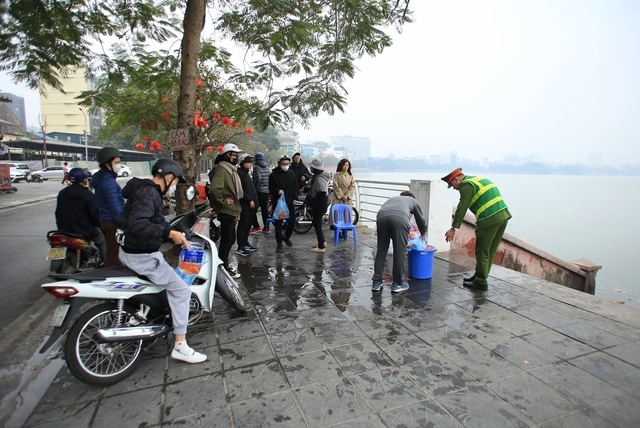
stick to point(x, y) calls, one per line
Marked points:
point(51, 172)
point(18, 171)
point(125, 171)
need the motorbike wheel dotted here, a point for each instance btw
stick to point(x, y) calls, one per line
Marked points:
point(301, 227)
point(228, 289)
point(355, 216)
point(101, 364)
point(69, 264)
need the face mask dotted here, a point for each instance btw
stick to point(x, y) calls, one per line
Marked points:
point(234, 161)
point(285, 168)
point(172, 189)
point(169, 188)
point(116, 167)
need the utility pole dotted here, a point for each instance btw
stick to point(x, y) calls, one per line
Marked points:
point(43, 127)
point(86, 143)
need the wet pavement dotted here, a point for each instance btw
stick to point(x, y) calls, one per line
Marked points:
point(318, 348)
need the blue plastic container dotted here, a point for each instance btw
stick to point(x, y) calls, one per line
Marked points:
point(421, 263)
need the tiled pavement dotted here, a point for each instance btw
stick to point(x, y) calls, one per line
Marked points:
point(319, 348)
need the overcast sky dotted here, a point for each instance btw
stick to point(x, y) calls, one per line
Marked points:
point(555, 78)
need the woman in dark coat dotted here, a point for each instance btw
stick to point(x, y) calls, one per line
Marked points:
point(283, 181)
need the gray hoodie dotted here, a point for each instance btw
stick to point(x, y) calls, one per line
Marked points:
point(402, 207)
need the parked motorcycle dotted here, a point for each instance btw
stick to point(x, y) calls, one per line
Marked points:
point(35, 178)
point(106, 342)
point(71, 252)
point(303, 217)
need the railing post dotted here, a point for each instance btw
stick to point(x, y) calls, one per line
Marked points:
point(590, 268)
point(436, 206)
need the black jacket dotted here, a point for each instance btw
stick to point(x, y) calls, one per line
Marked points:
point(78, 212)
point(248, 190)
point(300, 170)
point(286, 181)
point(141, 219)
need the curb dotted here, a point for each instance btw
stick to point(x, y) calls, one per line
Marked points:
point(27, 201)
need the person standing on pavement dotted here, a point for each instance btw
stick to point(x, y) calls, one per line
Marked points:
point(65, 170)
point(283, 181)
point(317, 201)
point(300, 170)
point(77, 211)
point(261, 173)
point(344, 186)
point(248, 202)
point(144, 230)
point(483, 198)
point(392, 224)
point(225, 194)
point(109, 199)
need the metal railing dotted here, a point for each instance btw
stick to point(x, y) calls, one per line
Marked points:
point(371, 194)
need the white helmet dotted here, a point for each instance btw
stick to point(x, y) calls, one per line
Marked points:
point(245, 158)
point(230, 147)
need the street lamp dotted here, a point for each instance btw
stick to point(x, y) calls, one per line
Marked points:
point(86, 143)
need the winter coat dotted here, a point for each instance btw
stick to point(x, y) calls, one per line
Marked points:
point(261, 176)
point(108, 194)
point(286, 181)
point(77, 211)
point(141, 219)
point(300, 170)
point(223, 187)
point(343, 186)
point(249, 192)
point(317, 198)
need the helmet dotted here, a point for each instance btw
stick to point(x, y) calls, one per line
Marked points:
point(245, 158)
point(107, 153)
point(166, 166)
point(283, 157)
point(230, 147)
point(78, 175)
point(259, 156)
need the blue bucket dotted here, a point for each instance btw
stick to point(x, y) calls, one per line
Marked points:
point(421, 263)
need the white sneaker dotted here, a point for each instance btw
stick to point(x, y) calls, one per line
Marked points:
point(192, 356)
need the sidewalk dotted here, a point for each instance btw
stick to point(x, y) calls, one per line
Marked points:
point(318, 348)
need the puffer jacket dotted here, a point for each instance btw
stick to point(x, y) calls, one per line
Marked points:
point(108, 194)
point(261, 176)
point(286, 181)
point(77, 211)
point(141, 220)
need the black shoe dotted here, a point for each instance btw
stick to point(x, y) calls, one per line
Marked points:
point(475, 285)
point(279, 248)
point(287, 241)
point(470, 279)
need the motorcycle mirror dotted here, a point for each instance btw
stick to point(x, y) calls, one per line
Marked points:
point(191, 193)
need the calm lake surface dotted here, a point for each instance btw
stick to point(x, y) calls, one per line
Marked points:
point(572, 217)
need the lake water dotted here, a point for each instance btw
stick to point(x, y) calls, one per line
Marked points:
point(572, 217)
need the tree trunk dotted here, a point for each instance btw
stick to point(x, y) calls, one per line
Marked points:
point(188, 159)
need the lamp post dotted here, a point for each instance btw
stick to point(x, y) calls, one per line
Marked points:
point(86, 143)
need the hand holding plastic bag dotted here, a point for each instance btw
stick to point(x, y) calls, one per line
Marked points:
point(281, 211)
point(417, 244)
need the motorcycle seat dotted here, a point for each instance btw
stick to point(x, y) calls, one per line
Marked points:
point(98, 274)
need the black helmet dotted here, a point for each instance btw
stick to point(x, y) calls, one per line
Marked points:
point(166, 166)
point(107, 153)
point(78, 175)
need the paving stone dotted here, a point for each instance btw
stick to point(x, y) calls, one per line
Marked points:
point(438, 375)
point(295, 342)
point(255, 381)
point(558, 344)
point(591, 335)
point(275, 410)
point(586, 418)
point(298, 372)
point(245, 352)
point(360, 357)
point(423, 414)
point(522, 353)
point(610, 369)
point(627, 352)
point(483, 364)
point(617, 410)
point(388, 389)
point(446, 340)
point(138, 408)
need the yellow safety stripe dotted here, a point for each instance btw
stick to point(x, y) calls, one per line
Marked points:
point(481, 189)
point(487, 205)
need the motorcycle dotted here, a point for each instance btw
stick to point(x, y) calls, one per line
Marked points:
point(106, 342)
point(303, 217)
point(203, 209)
point(71, 252)
point(35, 178)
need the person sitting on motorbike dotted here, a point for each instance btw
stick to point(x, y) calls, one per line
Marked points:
point(77, 210)
point(143, 230)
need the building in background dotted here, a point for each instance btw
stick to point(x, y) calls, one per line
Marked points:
point(17, 107)
point(358, 147)
point(289, 142)
point(449, 158)
point(65, 119)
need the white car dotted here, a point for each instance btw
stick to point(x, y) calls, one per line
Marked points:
point(125, 171)
point(18, 171)
point(51, 172)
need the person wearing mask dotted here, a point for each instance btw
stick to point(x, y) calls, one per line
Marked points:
point(225, 194)
point(144, 230)
point(300, 170)
point(77, 211)
point(344, 186)
point(109, 199)
point(282, 181)
point(483, 199)
point(261, 184)
point(393, 222)
point(248, 202)
point(317, 201)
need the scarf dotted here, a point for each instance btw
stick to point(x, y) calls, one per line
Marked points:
point(233, 172)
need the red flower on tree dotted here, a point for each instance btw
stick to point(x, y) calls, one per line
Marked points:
point(196, 119)
point(151, 149)
point(166, 115)
point(235, 124)
point(220, 148)
point(199, 83)
point(145, 138)
point(165, 100)
point(216, 116)
point(155, 144)
point(249, 130)
point(226, 120)
point(139, 146)
point(209, 148)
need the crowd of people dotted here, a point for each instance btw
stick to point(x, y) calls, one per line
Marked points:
point(130, 233)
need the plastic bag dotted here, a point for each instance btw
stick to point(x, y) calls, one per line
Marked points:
point(281, 211)
point(417, 244)
point(188, 278)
